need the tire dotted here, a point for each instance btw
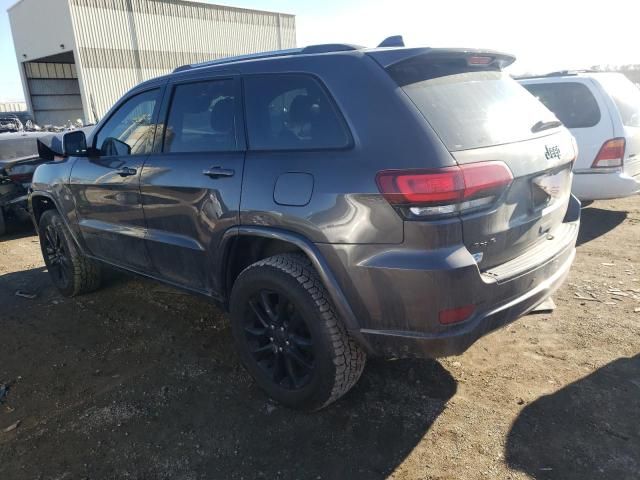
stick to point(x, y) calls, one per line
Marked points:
point(3, 225)
point(71, 272)
point(288, 335)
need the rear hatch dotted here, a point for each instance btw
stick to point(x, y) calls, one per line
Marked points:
point(626, 97)
point(485, 118)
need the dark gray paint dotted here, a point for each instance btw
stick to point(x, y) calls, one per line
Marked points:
point(388, 278)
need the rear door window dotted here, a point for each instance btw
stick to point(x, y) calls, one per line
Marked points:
point(572, 102)
point(291, 112)
point(202, 118)
point(470, 108)
point(626, 96)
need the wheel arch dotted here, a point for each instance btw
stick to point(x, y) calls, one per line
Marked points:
point(272, 241)
point(39, 202)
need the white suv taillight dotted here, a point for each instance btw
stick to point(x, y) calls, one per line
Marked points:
point(445, 191)
point(611, 154)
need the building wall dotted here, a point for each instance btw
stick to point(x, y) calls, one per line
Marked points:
point(12, 107)
point(39, 29)
point(119, 43)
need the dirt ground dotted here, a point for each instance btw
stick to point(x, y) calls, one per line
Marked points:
point(140, 381)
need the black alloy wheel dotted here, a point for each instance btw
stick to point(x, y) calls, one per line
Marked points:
point(288, 335)
point(279, 340)
point(56, 256)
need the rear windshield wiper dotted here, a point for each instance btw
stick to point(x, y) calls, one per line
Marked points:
point(541, 125)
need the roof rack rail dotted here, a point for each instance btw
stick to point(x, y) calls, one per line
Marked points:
point(239, 58)
point(559, 73)
point(325, 48)
point(330, 47)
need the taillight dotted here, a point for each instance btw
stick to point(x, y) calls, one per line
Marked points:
point(21, 178)
point(611, 154)
point(445, 191)
point(21, 173)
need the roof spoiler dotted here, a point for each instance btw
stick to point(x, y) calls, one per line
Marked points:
point(391, 57)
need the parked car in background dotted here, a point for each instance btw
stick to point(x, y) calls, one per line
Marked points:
point(10, 123)
point(20, 155)
point(602, 111)
point(15, 179)
point(339, 201)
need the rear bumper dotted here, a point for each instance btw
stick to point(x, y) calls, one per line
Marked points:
point(459, 339)
point(592, 185)
point(400, 293)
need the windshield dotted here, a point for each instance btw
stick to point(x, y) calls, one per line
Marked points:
point(472, 109)
point(626, 96)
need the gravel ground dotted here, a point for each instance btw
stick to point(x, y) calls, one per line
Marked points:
point(140, 381)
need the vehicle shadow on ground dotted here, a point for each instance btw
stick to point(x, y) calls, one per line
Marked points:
point(596, 222)
point(31, 282)
point(587, 430)
point(149, 386)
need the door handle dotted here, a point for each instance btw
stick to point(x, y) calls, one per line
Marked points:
point(217, 172)
point(126, 172)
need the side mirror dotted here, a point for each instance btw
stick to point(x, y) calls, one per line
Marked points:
point(74, 144)
point(112, 147)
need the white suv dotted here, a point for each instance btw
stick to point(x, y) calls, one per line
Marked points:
point(602, 111)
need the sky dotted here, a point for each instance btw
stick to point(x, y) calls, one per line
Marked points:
point(544, 35)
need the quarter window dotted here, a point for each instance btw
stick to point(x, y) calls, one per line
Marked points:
point(291, 112)
point(131, 128)
point(626, 97)
point(571, 102)
point(202, 118)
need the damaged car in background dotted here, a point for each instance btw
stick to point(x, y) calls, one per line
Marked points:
point(15, 179)
point(10, 123)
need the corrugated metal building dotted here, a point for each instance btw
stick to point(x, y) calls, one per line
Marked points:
point(13, 106)
point(78, 57)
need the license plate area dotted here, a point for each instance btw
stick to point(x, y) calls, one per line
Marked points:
point(548, 188)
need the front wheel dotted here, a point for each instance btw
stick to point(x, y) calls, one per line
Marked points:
point(71, 272)
point(288, 335)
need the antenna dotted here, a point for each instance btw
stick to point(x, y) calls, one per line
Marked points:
point(394, 41)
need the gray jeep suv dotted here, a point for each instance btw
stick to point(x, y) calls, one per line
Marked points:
point(339, 201)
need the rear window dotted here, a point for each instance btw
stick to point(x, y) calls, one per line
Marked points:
point(470, 109)
point(291, 112)
point(626, 97)
point(572, 102)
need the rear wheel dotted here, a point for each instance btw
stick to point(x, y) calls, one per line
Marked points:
point(288, 335)
point(71, 272)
